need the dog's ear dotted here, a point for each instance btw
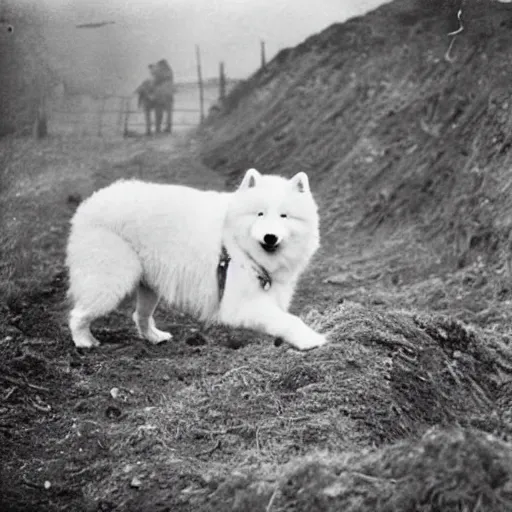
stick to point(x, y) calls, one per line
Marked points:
point(251, 177)
point(300, 182)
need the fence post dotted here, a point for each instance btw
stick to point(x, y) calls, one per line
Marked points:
point(127, 105)
point(222, 83)
point(120, 115)
point(100, 120)
point(200, 82)
point(262, 52)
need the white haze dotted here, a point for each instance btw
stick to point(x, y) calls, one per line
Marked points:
point(147, 30)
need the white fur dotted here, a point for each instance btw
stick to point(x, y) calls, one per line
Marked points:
point(164, 241)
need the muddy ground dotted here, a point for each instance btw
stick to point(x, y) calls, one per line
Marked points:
point(223, 419)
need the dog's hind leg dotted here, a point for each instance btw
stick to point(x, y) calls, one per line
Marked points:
point(147, 301)
point(103, 270)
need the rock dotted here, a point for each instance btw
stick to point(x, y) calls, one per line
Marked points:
point(135, 483)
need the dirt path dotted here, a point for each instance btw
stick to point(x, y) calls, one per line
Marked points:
point(44, 378)
point(214, 420)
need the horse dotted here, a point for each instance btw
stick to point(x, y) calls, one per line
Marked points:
point(157, 94)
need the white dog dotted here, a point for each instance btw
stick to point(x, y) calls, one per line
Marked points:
point(231, 258)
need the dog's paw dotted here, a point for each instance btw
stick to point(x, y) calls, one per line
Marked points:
point(157, 336)
point(309, 340)
point(151, 333)
point(86, 342)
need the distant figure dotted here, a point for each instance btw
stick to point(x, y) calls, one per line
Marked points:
point(161, 72)
point(157, 94)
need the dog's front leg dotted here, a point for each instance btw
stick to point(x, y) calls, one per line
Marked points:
point(269, 318)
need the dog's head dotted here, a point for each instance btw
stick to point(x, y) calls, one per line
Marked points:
point(274, 219)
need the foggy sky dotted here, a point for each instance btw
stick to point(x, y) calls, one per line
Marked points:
point(227, 30)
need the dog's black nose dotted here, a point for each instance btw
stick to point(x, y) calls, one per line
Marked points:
point(270, 239)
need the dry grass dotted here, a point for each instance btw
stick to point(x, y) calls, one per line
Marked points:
point(449, 470)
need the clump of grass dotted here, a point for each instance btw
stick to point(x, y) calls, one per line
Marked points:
point(447, 469)
point(386, 375)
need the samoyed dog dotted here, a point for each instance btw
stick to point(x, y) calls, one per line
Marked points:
point(226, 257)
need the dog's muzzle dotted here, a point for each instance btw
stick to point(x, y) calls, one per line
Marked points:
point(270, 243)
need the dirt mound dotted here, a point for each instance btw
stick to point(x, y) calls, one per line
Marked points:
point(405, 134)
point(388, 376)
point(394, 131)
point(448, 470)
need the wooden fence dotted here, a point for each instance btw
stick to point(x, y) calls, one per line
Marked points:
point(118, 114)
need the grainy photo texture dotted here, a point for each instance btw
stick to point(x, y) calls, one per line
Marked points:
point(256, 255)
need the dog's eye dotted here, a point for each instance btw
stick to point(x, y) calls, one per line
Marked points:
point(284, 216)
point(260, 214)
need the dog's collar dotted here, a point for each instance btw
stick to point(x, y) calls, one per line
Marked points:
point(262, 274)
point(222, 271)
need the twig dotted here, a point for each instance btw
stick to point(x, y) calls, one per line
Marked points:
point(233, 370)
point(42, 408)
point(453, 374)
point(266, 372)
point(10, 392)
point(101, 445)
point(23, 383)
point(272, 499)
point(258, 448)
point(370, 478)
point(447, 56)
point(298, 418)
point(210, 450)
point(80, 472)
point(30, 484)
point(453, 34)
point(204, 432)
point(479, 391)
point(461, 25)
point(315, 386)
point(34, 386)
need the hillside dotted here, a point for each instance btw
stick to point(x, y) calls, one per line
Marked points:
point(405, 133)
point(394, 135)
